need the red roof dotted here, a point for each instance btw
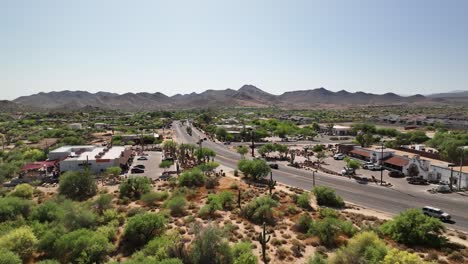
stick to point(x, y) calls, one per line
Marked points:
point(38, 165)
point(361, 152)
point(397, 161)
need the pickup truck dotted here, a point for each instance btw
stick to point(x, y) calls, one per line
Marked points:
point(417, 180)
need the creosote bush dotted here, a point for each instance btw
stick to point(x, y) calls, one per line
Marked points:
point(327, 197)
point(77, 185)
point(134, 187)
point(260, 210)
point(141, 228)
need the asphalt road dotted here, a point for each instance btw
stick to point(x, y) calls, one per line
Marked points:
point(371, 196)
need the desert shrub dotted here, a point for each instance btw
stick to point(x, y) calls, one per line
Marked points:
point(191, 178)
point(260, 210)
point(176, 205)
point(77, 185)
point(327, 197)
point(412, 227)
point(236, 173)
point(134, 187)
point(213, 203)
point(23, 190)
point(141, 228)
point(48, 261)
point(329, 229)
point(297, 248)
point(48, 239)
point(211, 182)
point(83, 246)
point(303, 200)
point(13, 207)
point(402, 257)
point(242, 253)
point(365, 247)
point(8, 257)
point(210, 246)
point(282, 252)
point(162, 247)
point(456, 256)
point(317, 259)
point(328, 212)
point(78, 215)
point(303, 223)
point(103, 202)
point(47, 212)
point(226, 199)
point(151, 197)
point(256, 169)
point(111, 215)
point(109, 231)
point(21, 241)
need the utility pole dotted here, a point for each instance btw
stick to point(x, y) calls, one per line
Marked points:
point(451, 177)
point(381, 163)
point(313, 178)
point(253, 143)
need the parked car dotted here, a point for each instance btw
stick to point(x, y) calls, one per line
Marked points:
point(140, 166)
point(273, 165)
point(396, 174)
point(137, 170)
point(13, 182)
point(142, 158)
point(347, 171)
point(227, 143)
point(436, 212)
point(339, 156)
point(417, 180)
point(443, 189)
point(368, 165)
point(376, 167)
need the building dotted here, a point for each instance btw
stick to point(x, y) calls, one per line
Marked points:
point(442, 174)
point(75, 126)
point(98, 159)
point(337, 130)
point(370, 154)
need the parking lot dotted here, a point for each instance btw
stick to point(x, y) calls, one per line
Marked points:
point(152, 169)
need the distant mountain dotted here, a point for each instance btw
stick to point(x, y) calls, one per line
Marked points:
point(246, 96)
point(457, 93)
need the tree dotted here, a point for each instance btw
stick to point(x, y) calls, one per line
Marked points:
point(141, 228)
point(282, 149)
point(365, 139)
point(320, 156)
point(365, 247)
point(318, 148)
point(352, 163)
point(83, 246)
point(165, 164)
point(327, 197)
point(402, 257)
point(12, 208)
point(77, 185)
point(256, 169)
point(8, 257)
point(221, 133)
point(208, 167)
point(23, 190)
point(133, 187)
point(260, 210)
point(169, 147)
point(242, 253)
point(266, 149)
point(34, 155)
point(210, 247)
point(204, 154)
point(21, 241)
point(176, 205)
point(412, 227)
point(413, 170)
point(242, 150)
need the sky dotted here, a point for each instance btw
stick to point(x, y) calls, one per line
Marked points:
point(400, 46)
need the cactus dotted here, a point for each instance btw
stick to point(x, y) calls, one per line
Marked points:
point(263, 238)
point(271, 183)
point(239, 198)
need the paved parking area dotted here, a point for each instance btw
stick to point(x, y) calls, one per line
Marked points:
point(152, 169)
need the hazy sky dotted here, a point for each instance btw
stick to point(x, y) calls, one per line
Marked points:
point(401, 46)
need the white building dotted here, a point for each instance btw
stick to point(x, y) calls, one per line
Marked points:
point(75, 126)
point(98, 159)
point(443, 173)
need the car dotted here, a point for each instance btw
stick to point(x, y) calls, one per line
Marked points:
point(142, 158)
point(368, 165)
point(273, 165)
point(376, 167)
point(227, 143)
point(436, 212)
point(137, 170)
point(396, 174)
point(339, 156)
point(140, 166)
point(443, 189)
point(347, 171)
point(417, 180)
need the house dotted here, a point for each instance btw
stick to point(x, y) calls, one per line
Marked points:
point(439, 173)
point(337, 130)
point(97, 159)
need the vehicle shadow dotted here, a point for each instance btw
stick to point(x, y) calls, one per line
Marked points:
point(451, 222)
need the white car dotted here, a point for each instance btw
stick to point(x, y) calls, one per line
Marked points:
point(339, 156)
point(436, 212)
point(368, 165)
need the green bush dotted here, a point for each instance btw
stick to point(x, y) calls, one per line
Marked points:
point(210, 246)
point(213, 203)
point(192, 178)
point(260, 210)
point(134, 187)
point(326, 196)
point(23, 190)
point(8, 257)
point(329, 229)
point(328, 212)
point(21, 241)
point(365, 247)
point(141, 228)
point(83, 246)
point(256, 169)
point(412, 227)
point(48, 261)
point(317, 259)
point(176, 205)
point(303, 223)
point(77, 185)
point(13, 207)
point(162, 247)
point(402, 257)
point(47, 212)
point(152, 197)
point(242, 253)
point(303, 200)
point(226, 199)
point(103, 202)
point(109, 231)
point(78, 215)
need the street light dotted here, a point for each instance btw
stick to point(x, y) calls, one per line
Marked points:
point(313, 177)
point(451, 176)
point(462, 158)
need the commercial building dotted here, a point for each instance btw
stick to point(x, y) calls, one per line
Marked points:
point(97, 159)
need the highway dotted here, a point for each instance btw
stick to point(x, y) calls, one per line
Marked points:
point(375, 197)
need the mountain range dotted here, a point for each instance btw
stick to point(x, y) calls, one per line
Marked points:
point(246, 96)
